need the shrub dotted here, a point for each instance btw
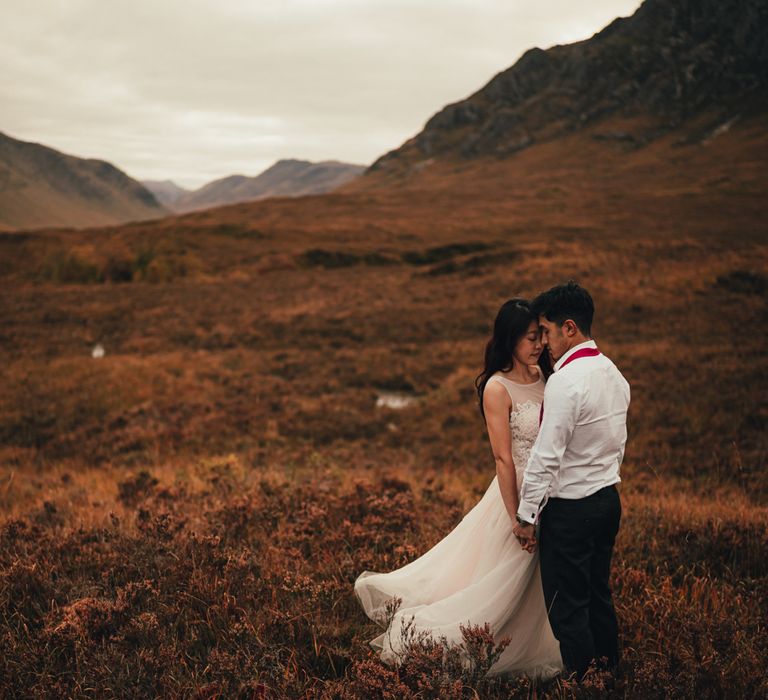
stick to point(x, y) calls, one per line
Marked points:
point(70, 268)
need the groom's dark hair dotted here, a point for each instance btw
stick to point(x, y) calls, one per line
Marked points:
point(566, 301)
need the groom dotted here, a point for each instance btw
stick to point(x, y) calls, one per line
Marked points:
point(573, 469)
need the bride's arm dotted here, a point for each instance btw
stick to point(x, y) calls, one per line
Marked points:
point(497, 404)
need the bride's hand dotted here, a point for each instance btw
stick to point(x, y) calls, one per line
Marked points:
point(526, 536)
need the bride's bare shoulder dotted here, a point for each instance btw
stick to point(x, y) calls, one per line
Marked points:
point(495, 392)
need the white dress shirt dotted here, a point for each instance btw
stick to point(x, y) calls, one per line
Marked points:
point(581, 440)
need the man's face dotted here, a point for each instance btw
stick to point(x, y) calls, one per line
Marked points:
point(553, 338)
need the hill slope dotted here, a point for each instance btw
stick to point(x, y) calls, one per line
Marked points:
point(671, 62)
point(40, 186)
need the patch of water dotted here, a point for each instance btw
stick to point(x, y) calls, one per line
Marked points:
point(394, 399)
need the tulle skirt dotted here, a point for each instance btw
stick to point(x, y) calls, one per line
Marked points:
point(477, 574)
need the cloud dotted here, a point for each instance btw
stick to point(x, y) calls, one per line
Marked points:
point(201, 89)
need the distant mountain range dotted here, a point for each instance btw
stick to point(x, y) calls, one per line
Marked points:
point(40, 186)
point(670, 62)
point(167, 192)
point(286, 178)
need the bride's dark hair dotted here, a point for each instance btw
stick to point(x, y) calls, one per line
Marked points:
point(510, 325)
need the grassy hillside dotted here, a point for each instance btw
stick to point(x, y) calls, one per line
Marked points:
point(41, 187)
point(186, 515)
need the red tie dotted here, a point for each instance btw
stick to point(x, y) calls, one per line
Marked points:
point(584, 352)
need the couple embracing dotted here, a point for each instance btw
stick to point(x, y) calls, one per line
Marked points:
point(533, 557)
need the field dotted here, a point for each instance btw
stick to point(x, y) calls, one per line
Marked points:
point(186, 515)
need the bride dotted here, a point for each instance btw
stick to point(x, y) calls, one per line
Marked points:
point(479, 573)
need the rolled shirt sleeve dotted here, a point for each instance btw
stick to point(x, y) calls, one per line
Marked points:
point(561, 410)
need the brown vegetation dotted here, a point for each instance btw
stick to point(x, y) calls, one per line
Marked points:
point(185, 517)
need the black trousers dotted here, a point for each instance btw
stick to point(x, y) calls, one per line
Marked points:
point(575, 544)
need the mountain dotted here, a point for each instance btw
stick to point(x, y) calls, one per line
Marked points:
point(673, 63)
point(166, 192)
point(40, 186)
point(286, 178)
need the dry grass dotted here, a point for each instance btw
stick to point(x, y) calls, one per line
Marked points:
point(186, 516)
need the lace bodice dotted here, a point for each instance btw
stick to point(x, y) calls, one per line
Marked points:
point(523, 418)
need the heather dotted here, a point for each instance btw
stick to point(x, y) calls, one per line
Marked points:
point(186, 515)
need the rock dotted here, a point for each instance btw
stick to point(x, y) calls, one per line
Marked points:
point(673, 60)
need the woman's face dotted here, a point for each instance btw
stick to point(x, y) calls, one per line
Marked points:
point(529, 347)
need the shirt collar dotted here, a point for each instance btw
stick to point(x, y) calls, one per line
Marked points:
point(586, 344)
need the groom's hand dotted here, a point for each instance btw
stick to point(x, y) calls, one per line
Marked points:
point(526, 536)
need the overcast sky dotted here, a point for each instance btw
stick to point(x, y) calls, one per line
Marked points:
point(193, 90)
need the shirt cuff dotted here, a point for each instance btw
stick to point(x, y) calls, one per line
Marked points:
point(528, 511)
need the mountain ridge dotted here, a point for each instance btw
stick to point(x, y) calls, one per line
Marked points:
point(288, 177)
point(670, 62)
point(41, 186)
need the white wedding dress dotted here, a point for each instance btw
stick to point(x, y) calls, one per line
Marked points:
point(478, 573)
